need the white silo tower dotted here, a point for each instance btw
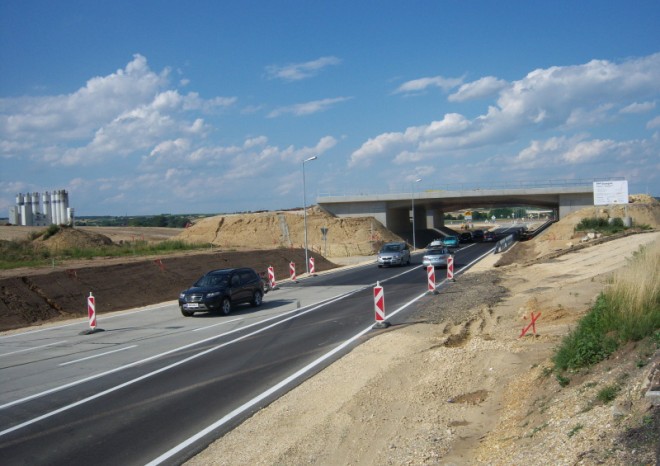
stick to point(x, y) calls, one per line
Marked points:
point(46, 207)
point(17, 214)
point(64, 205)
point(56, 208)
point(35, 204)
point(26, 210)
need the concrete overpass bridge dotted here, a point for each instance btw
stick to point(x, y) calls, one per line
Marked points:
point(394, 209)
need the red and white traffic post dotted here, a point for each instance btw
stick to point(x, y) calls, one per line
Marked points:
point(91, 315)
point(430, 273)
point(292, 271)
point(450, 268)
point(379, 307)
point(91, 311)
point(311, 266)
point(271, 277)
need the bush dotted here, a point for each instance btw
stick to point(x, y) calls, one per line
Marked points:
point(629, 310)
point(601, 225)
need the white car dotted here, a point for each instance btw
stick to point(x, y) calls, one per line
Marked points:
point(437, 256)
point(394, 254)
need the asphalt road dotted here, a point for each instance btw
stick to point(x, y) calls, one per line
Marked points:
point(155, 387)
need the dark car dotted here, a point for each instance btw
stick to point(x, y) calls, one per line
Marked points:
point(219, 290)
point(465, 237)
point(489, 236)
point(478, 235)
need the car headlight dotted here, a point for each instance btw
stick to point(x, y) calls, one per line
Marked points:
point(212, 294)
point(182, 295)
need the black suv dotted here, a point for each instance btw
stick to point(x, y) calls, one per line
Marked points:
point(219, 290)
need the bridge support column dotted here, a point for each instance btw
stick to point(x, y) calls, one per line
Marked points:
point(435, 218)
point(571, 202)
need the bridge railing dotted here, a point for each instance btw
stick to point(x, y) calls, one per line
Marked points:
point(430, 187)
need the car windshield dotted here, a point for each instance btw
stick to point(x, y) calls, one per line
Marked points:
point(434, 251)
point(213, 280)
point(391, 248)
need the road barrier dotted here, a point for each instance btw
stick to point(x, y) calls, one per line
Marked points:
point(311, 266)
point(271, 277)
point(292, 271)
point(430, 273)
point(91, 315)
point(379, 307)
point(450, 268)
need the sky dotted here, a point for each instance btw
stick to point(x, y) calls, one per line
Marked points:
point(199, 106)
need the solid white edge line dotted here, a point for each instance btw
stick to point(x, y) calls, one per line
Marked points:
point(97, 355)
point(228, 417)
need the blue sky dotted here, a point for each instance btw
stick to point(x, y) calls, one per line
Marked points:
point(149, 107)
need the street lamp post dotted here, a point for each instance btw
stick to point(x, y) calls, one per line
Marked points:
point(413, 211)
point(305, 211)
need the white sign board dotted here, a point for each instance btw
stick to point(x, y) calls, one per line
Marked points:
point(610, 192)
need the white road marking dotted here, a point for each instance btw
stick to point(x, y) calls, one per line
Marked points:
point(97, 355)
point(32, 348)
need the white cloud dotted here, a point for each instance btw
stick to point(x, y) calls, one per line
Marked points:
point(588, 150)
point(654, 123)
point(421, 84)
point(125, 112)
point(553, 99)
point(299, 71)
point(479, 89)
point(308, 108)
point(637, 107)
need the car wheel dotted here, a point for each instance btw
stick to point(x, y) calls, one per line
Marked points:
point(408, 263)
point(257, 299)
point(226, 306)
point(187, 313)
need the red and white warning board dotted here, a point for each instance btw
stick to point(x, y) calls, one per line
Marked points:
point(379, 303)
point(450, 268)
point(91, 311)
point(271, 276)
point(430, 272)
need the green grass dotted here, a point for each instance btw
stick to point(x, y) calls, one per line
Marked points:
point(22, 253)
point(628, 310)
point(608, 394)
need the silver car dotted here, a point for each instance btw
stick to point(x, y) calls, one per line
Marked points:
point(394, 254)
point(436, 256)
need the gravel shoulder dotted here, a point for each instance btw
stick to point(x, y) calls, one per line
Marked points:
point(459, 386)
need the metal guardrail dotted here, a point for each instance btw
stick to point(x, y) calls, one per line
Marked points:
point(421, 188)
point(504, 244)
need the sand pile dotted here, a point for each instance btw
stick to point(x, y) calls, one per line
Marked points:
point(267, 230)
point(72, 238)
point(644, 211)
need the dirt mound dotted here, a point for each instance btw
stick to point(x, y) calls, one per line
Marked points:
point(643, 210)
point(357, 236)
point(72, 238)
